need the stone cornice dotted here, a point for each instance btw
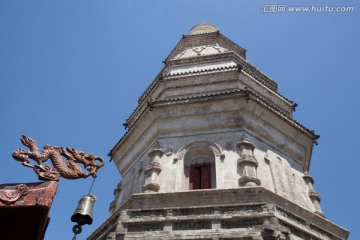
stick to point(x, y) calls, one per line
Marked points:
point(247, 159)
point(247, 94)
point(271, 203)
point(203, 71)
point(242, 65)
point(237, 93)
point(171, 78)
point(245, 179)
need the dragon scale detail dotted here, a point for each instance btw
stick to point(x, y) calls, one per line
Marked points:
point(68, 169)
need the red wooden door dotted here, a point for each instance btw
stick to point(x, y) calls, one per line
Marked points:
point(200, 177)
point(195, 175)
point(206, 177)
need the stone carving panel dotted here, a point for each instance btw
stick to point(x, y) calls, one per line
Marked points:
point(284, 180)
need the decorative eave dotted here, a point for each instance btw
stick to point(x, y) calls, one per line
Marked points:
point(247, 94)
point(24, 209)
point(237, 68)
point(243, 65)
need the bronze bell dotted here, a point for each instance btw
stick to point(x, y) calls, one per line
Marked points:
point(84, 212)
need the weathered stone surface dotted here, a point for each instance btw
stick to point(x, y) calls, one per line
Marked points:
point(211, 119)
point(230, 213)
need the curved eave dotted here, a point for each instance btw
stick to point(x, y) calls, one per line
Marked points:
point(160, 80)
point(243, 65)
point(247, 94)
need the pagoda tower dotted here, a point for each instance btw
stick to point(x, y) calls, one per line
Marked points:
point(212, 152)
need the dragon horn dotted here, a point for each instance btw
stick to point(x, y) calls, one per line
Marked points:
point(66, 152)
point(70, 150)
point(23, 140)
point(29, 142)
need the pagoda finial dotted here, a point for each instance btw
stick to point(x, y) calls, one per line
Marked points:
point(204, 27)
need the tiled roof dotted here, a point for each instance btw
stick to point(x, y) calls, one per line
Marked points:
point(245, 66)
point(205, 70)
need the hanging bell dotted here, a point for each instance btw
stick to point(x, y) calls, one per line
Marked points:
point(84, 212)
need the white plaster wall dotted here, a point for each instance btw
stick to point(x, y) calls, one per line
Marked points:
point(274, 170)
point(221, 122)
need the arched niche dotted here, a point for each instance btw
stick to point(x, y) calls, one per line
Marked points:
point(198, 160)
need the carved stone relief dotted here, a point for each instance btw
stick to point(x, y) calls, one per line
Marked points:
point(314, 196)
point(152, 170)
point(12, 196)
point(284, 180)
point(247, 164)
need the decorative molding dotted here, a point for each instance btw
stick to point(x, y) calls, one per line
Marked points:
point(140, 110)
point(247, 159)
point(153, 167)
point(39, 194)
point(307, 178)
point(313, 195)
point(249, 181)
point(118, 188)
point(152, 170)
point(151, 187)
point(247, 163)
point(112, 206)
point(11, 196)
point(157, 152)
point(245, 142)
point(199, 144)
point(222, 156)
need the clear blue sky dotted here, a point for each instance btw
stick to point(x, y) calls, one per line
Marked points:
point(71, 73)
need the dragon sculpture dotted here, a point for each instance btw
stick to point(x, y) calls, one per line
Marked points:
point(67, 169)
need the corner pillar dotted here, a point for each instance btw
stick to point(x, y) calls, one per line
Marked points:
point(152, 170)
point(247, 164)
point(314, 196)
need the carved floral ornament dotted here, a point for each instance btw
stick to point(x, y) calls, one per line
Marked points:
point(11, 196)
point(67, 169)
